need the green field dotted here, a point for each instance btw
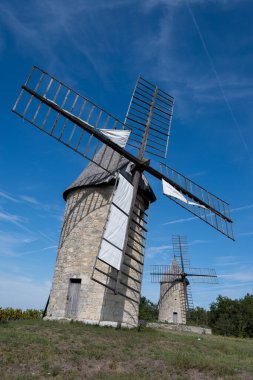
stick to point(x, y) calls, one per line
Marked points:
point(41, 350)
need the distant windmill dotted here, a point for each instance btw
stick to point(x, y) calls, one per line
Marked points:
point(105, 223)
point(175, 292)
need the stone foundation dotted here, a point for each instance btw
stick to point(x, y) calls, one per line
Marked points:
point(181, 328)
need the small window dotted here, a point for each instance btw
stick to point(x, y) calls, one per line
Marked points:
point(75, 280)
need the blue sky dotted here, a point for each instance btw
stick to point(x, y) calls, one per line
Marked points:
point(199, 51)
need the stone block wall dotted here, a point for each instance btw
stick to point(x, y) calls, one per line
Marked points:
point(84, 221)
point(172, 300)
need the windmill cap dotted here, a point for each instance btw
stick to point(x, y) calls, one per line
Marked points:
point(94, 175)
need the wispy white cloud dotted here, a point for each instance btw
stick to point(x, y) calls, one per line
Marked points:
point(54, 209)
point(12, 218)
point(8, 196)
point(198, 174)
point(226, 261)
point(21, 223)
point(245, 275)
point(197, 241)
point(18, 244)
point(47, 237)
point(241, 208)
point(29, 240)
point(246, 233)
point(159, 249)
point(43, 26)
point(52, 247)
point(219, 82)
point(169, 248)
point(226, 258)
point(8, 246)
point(205, 89)
point(12, 243)
point(228, 264)
point(204, 295)
point(19, 198)
point(226, 4)
point(185, 75)
point(235, 269)
point(29, 199)
point(175, 221)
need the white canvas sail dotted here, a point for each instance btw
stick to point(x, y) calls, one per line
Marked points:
point(119, 137)
point(116, 228)
point(170, 191)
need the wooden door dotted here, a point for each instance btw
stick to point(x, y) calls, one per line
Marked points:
point(73, 297)
point(175, 317)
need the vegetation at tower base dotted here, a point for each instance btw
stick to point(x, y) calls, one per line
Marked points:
point(198, 317)
point(10, 314)
point(148, 310)
point(226, 316)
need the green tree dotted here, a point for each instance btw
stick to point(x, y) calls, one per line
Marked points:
point(148, 310)
point(232, 317)
point(247, 315)
point(198, 317)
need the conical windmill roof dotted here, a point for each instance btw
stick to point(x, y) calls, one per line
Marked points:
point(94, 175)
point(174, 266)
point(172, 272)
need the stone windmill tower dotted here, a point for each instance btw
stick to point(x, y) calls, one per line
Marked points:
point(101, 252)
point(172, 299)
point(175, 293)
point(74, 294)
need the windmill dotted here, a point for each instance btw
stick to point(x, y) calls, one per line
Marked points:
point(175, 291)
point(101, 251)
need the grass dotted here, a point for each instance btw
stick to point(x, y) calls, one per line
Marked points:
point(41, 350)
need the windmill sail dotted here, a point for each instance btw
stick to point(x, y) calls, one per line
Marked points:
point(190, 305)
point(72, 119)
point(203, 275)
point(149, 116)
point(79, 123)
point(197, 200)
point(83, 126)
point(186, 303)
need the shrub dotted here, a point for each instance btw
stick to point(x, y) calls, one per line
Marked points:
point(148, 311)
point(9, 314)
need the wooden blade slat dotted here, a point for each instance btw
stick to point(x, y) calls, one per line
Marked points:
point(150, 107)
point(51, 111)
point(170, 274)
